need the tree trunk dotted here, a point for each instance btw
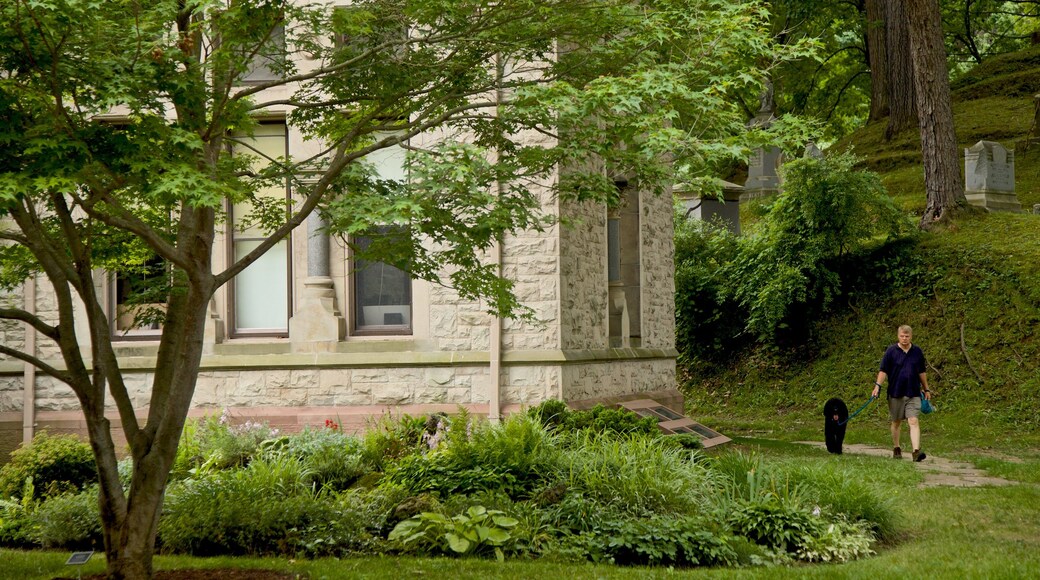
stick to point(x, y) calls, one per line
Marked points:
point(131, 523)
point(942, 177)
point(877, 59)
point(901, 91)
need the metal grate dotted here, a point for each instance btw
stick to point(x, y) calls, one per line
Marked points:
point(672, 422)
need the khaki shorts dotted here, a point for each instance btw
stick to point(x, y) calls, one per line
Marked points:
point(900, 408)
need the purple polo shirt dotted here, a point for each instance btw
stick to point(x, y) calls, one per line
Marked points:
point(903, 370)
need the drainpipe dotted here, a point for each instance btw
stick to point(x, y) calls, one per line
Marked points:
point(495, 348)
point(495, 393)
point(29, 374)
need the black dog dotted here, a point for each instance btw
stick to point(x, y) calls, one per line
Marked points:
point(835, 415)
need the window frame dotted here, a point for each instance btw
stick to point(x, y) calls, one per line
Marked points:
point(231, 238)
point(355, 296)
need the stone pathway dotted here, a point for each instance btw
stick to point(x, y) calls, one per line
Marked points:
point(938, 471)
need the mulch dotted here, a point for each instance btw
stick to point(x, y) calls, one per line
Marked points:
point(211, 574)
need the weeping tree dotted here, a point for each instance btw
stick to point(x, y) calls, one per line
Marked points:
point(118, 120)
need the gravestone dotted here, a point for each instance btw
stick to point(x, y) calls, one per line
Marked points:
point(989, 177)
point(763, 166)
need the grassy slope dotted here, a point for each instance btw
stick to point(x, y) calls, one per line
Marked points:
point(987, 269)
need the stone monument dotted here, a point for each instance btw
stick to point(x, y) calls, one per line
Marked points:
point(989, 177)
point(708, 206)
point(763, 166)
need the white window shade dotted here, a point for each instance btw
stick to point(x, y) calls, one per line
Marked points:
point(261, 290)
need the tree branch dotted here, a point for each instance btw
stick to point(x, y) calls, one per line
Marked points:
point(36, 362)
point(32, 320)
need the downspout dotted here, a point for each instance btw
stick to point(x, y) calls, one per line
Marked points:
point(495, 393)
point(495, 335)
point(29, 374)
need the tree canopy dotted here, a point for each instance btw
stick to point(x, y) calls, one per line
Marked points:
point(122, 127)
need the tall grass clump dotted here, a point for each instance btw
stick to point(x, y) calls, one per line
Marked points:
point(635, 472)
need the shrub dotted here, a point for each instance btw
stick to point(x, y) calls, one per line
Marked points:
point(470, 457)
point(774, 523)
point(266, 508)
point(391, 439)
point(709, 321)
point(56, 464)
point(333, 459)
point(556, 416)
point(477, 531)
point(17, 526)
point(657, 541)
point(826, 210)
point(69, 521)
point(216, 443)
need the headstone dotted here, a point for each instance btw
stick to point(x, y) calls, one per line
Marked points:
point(1036, 209)
point(989, 177)
point(763, 166)
point(812, 151)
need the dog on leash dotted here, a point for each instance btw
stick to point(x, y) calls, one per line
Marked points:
point(835, 415)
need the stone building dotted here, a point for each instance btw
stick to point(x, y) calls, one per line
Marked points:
point(308, 333)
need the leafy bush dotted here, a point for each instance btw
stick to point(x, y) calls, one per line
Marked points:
point(772, 282)
point(774, 523)
point(709, 320)
point(840, 541)
point(391, 439)
point(333, 459)
point(215, 442)
point(477, 456)
point(555, 415)
point(56, 464)
point(69, 521)
point(241, 511)
point(478, 531)
point(825, 210)
point(17, 524)
point(657, 541)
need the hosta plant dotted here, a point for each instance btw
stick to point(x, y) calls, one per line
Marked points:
point(476, 531)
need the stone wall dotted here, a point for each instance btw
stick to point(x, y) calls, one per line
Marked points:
point(583, 269)
point(658, 270)
point(619, 378)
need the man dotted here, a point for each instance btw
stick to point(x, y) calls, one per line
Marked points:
point(904, 367)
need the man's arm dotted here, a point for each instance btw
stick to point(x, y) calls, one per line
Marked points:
point(925, 392)
point(881, 376)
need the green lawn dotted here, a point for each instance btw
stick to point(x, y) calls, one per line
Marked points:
point(947, 532)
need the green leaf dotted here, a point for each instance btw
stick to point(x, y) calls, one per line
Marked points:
point(457, 544)
point(504, 521)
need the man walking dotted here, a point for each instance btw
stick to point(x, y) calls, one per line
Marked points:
point(904, 367)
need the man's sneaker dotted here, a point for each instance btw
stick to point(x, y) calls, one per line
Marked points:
point(919, 455)
point(897, 453)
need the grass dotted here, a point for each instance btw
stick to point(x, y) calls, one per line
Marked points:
point(990, 532)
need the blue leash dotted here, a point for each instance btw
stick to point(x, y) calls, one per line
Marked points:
point(863, 406)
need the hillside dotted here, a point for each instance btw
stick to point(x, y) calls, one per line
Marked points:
point(982, 276)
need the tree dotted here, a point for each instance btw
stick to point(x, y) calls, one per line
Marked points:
point(942, 176)
point(118, 120)
point(874, 12)
point(902, 103)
